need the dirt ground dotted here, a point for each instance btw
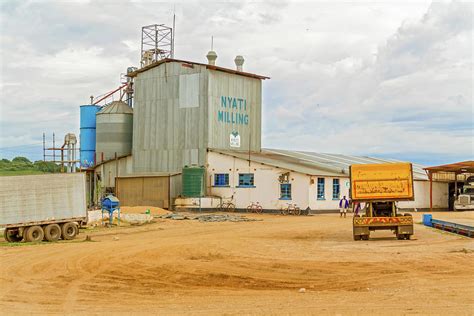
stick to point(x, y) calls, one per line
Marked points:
point(251, 268)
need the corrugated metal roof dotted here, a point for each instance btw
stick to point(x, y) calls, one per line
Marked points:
point(457, 167)
point(116, 107)
point(212, 67)
point(314, 163)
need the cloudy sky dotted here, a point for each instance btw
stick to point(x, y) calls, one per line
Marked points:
point(380, 78)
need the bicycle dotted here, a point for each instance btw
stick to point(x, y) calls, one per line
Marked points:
point(227, 205)
point(291, 209)
point(254, 207)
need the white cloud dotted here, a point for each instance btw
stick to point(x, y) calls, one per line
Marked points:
point(366, 78)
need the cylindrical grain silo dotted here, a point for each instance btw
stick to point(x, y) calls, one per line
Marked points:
point(114, 131)
point(87, 136)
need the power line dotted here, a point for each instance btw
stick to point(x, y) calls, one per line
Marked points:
point(20, 146)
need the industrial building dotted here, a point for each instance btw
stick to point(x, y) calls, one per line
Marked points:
point(189, 115)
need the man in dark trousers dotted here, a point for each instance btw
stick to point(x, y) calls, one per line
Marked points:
point(343, 206)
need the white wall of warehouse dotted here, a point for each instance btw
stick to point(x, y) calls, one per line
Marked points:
point(422, 195)
point(303, 187)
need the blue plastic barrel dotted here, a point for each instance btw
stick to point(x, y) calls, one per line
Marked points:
point(427, 220)
point(88, 134)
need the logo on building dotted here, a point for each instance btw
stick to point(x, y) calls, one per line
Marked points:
point(235, 139)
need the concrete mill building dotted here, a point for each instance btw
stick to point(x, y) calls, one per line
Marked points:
point(209, 117)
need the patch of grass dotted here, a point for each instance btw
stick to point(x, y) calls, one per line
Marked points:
point(4, 173)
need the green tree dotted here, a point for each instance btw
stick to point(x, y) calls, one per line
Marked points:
point(23, 160)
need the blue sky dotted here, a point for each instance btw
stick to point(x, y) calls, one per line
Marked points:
point(379, 78)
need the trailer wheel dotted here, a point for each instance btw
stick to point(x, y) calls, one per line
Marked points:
point(365, 237)
point(357, 237)
point(11, 235)
point(52, 232)
point(69, 231)
point(34, 234)
point(407, 236)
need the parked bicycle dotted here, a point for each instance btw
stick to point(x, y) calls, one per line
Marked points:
point(254, 207)
point(227, 204)
point(291, 209)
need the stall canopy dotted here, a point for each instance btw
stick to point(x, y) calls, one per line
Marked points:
point(464, 167)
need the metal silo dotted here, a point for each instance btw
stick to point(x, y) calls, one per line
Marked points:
point(114, 131)
point(87, 136)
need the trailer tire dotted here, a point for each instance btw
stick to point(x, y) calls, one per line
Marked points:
point(11, 235)
point(52, 232)
point(34, 234)
point(69, 231)
point(357, 237)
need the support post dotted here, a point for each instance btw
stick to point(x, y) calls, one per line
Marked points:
point(430, 176)
point(455, 185)
point(116, 174)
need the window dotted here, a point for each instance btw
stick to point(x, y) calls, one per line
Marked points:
point(336, 189)
point(320, 189)
point(285, 191)
point(221, 180)
point(246, 180)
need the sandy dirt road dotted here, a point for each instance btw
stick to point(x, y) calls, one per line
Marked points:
point(253, 268)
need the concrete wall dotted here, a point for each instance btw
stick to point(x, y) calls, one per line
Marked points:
point(267, 185)
point(328, 203)
point(422, 196)
point(304, 187)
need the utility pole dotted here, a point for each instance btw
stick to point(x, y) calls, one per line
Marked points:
point(44, 147)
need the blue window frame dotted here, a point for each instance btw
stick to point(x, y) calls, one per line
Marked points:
point(221, 180)
point(246, 180)
point(320, 189)
point(285, 191)
point(336, 189)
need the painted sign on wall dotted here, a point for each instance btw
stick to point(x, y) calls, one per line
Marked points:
point(235, 139)
point(233, 111)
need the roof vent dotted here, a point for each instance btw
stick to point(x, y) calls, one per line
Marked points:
point(211, 57)
point(239, 61)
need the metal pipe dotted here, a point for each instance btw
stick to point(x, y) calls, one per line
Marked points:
point(109, 94)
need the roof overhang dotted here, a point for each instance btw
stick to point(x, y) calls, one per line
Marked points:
point(457, 167)
point(190, 64)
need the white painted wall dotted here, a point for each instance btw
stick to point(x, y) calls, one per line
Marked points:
point(422, 195)
point(304, 187)
point(328, 203)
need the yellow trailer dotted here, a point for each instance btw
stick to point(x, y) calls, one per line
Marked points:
point(379, 186)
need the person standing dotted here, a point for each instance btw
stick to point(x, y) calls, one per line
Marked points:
point(357, 208)
point(343, 206)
